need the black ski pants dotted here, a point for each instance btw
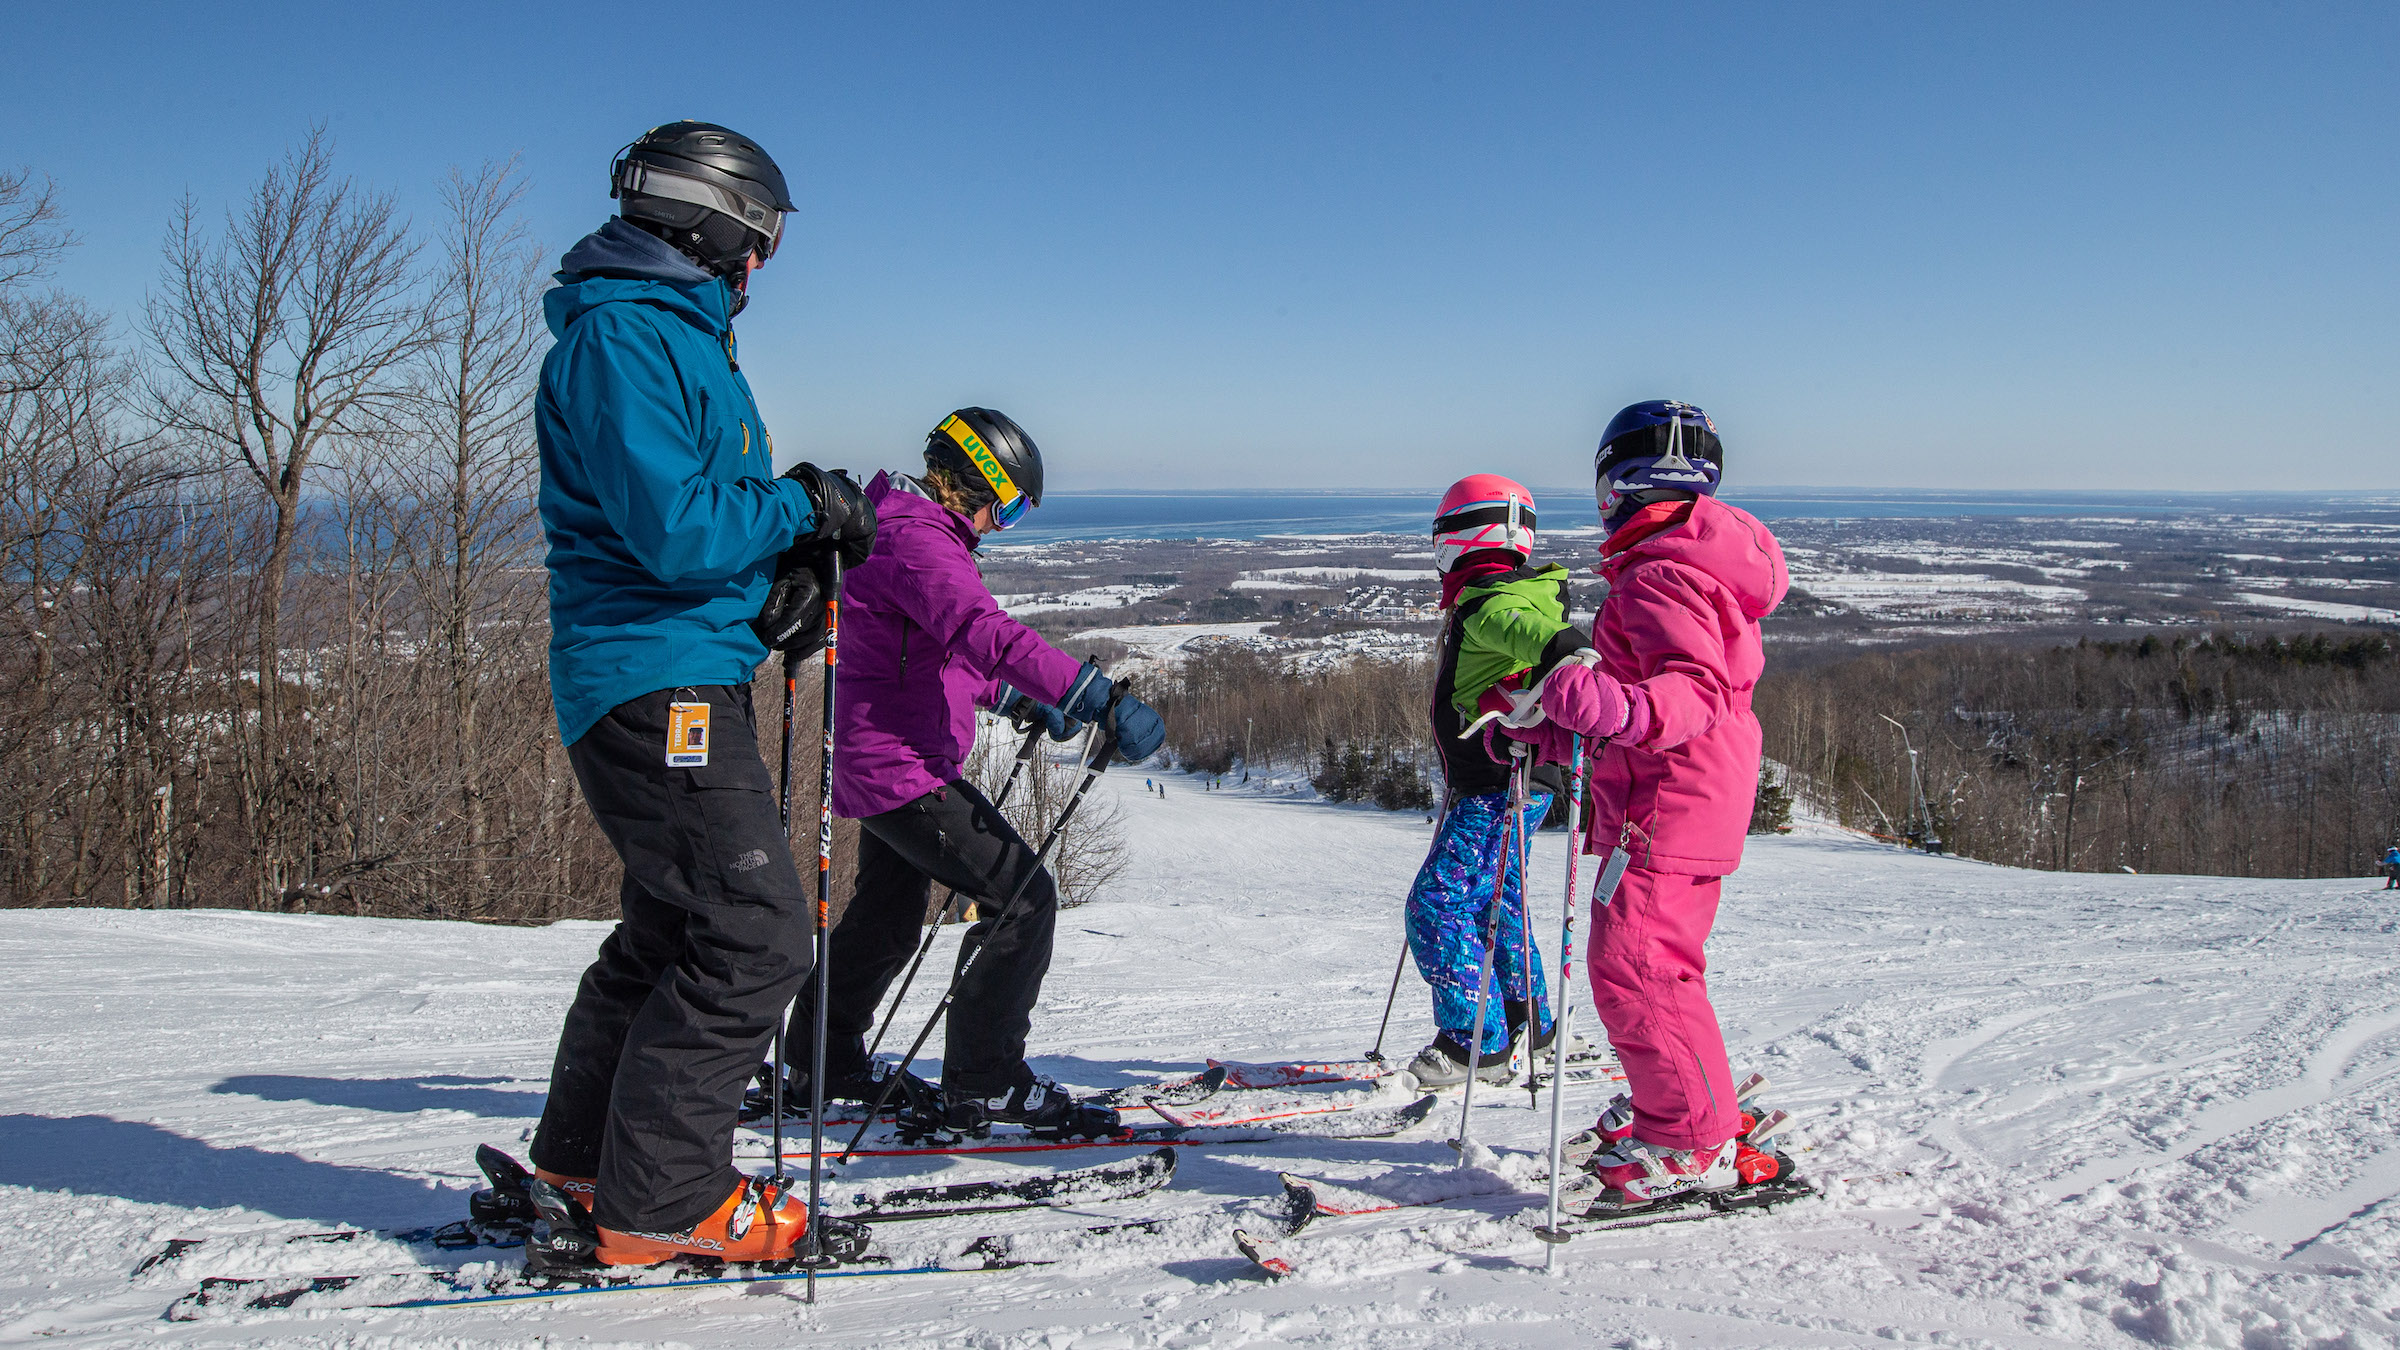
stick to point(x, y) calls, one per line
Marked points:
point(951, 835)
point(673, 1019)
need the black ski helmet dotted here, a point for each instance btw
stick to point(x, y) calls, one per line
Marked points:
point(706, 189)
point(986, 450)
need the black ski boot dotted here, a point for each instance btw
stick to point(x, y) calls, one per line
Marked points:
point(863, 1086)
point(1045, 1109)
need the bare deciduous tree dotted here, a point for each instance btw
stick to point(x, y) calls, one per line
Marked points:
point(276, 339)
point(32, 234)
point(471, 541)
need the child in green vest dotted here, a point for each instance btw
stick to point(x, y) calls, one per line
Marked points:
point(1504, 623)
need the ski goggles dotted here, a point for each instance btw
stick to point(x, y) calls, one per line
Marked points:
point(1478, 526)
point(650, 180)
point(1009, 501)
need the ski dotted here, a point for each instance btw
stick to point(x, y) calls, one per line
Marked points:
point(1264, 1252)
point(1238, 1075)
point(443, 1288)
point(1592, 1063)
point(1077, 1186)
point(464, 1235)
point(1254, 1112)
point(1273, 1254)
point(1189, 1089)
point(1308, 1199)
point(1363, 1123)
point(1096, 1185)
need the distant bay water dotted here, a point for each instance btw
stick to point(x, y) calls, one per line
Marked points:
point(1260, 514)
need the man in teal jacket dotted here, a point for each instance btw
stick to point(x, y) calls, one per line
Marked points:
point(665, 519)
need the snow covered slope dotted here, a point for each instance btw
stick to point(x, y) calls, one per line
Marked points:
point(2088, 1110)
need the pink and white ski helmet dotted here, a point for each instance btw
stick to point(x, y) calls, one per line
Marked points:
point(1481, 513)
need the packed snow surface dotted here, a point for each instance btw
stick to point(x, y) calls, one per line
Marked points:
point(2323, 609)
point(2045, 1110)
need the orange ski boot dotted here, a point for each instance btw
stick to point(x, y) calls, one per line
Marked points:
point(760, 1221)
point(578, 1189)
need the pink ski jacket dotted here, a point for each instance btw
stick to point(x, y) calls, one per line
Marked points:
point(1688, 583)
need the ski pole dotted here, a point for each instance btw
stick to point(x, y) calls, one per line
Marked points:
point(824, 943)
point(783, 812)
point(1564, 1005)
point(1092, 770)
point(1389, 999)
point(1491, 940)
point(1602, 892)
point(1393, 996)
point(1025, 754)
point(1525, 953)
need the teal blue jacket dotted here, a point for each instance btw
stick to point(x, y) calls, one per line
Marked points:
point(659, 503)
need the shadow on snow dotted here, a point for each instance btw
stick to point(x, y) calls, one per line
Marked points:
point(100, 1155)
point(439, 1092)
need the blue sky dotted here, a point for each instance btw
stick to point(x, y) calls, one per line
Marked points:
point(1261, 245)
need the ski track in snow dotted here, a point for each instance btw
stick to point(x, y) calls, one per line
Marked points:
point(2045, 1110)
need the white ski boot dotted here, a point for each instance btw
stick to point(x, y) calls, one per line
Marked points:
point(1444, 1064)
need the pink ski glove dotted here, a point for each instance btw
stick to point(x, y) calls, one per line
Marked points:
point(1581, 698)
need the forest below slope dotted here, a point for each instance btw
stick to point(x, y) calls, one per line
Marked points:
point(2266, 756)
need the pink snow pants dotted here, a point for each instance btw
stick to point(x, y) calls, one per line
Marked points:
point(1649, 980)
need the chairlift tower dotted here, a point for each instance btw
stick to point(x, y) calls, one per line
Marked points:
point(1919, 833)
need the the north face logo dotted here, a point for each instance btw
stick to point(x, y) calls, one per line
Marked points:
point(751, 861)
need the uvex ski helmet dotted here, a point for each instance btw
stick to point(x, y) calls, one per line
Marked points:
point(992, 457)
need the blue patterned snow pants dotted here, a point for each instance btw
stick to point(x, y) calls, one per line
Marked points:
point(1450, 905)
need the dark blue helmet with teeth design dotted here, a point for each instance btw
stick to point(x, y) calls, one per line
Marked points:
point(1653, 451)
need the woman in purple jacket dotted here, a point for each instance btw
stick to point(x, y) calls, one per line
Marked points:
point(923, 645)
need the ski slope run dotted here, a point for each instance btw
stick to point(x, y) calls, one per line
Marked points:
point(2045, 1110)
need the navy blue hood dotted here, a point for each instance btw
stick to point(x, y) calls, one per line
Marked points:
point(619, 249)
point(621, 262)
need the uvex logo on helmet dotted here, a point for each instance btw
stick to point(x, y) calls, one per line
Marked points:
point(982, 457)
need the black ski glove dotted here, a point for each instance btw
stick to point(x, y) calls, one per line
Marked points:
point(1024, 710)
point(845, 519)
point(793, 619)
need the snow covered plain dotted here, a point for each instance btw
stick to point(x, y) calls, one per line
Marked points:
point(2081, 1110)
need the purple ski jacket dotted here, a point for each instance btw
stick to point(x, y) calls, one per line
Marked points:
point(923, 644)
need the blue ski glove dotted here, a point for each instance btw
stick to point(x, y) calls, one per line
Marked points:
point(1138, 727)
point(1024, 710)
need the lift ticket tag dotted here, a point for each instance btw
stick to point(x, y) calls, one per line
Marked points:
point(687, 735)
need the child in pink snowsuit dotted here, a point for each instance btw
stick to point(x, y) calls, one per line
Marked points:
point(1667, 689)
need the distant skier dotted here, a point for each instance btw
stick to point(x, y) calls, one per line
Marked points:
point(665, 519)
point(1502, 616)
point(1668, 687)
point(2391, 868)
point(923, 645)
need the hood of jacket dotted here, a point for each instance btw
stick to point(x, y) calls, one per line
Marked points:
point(898, 497)
point(1705, 534)
point(621, 262)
